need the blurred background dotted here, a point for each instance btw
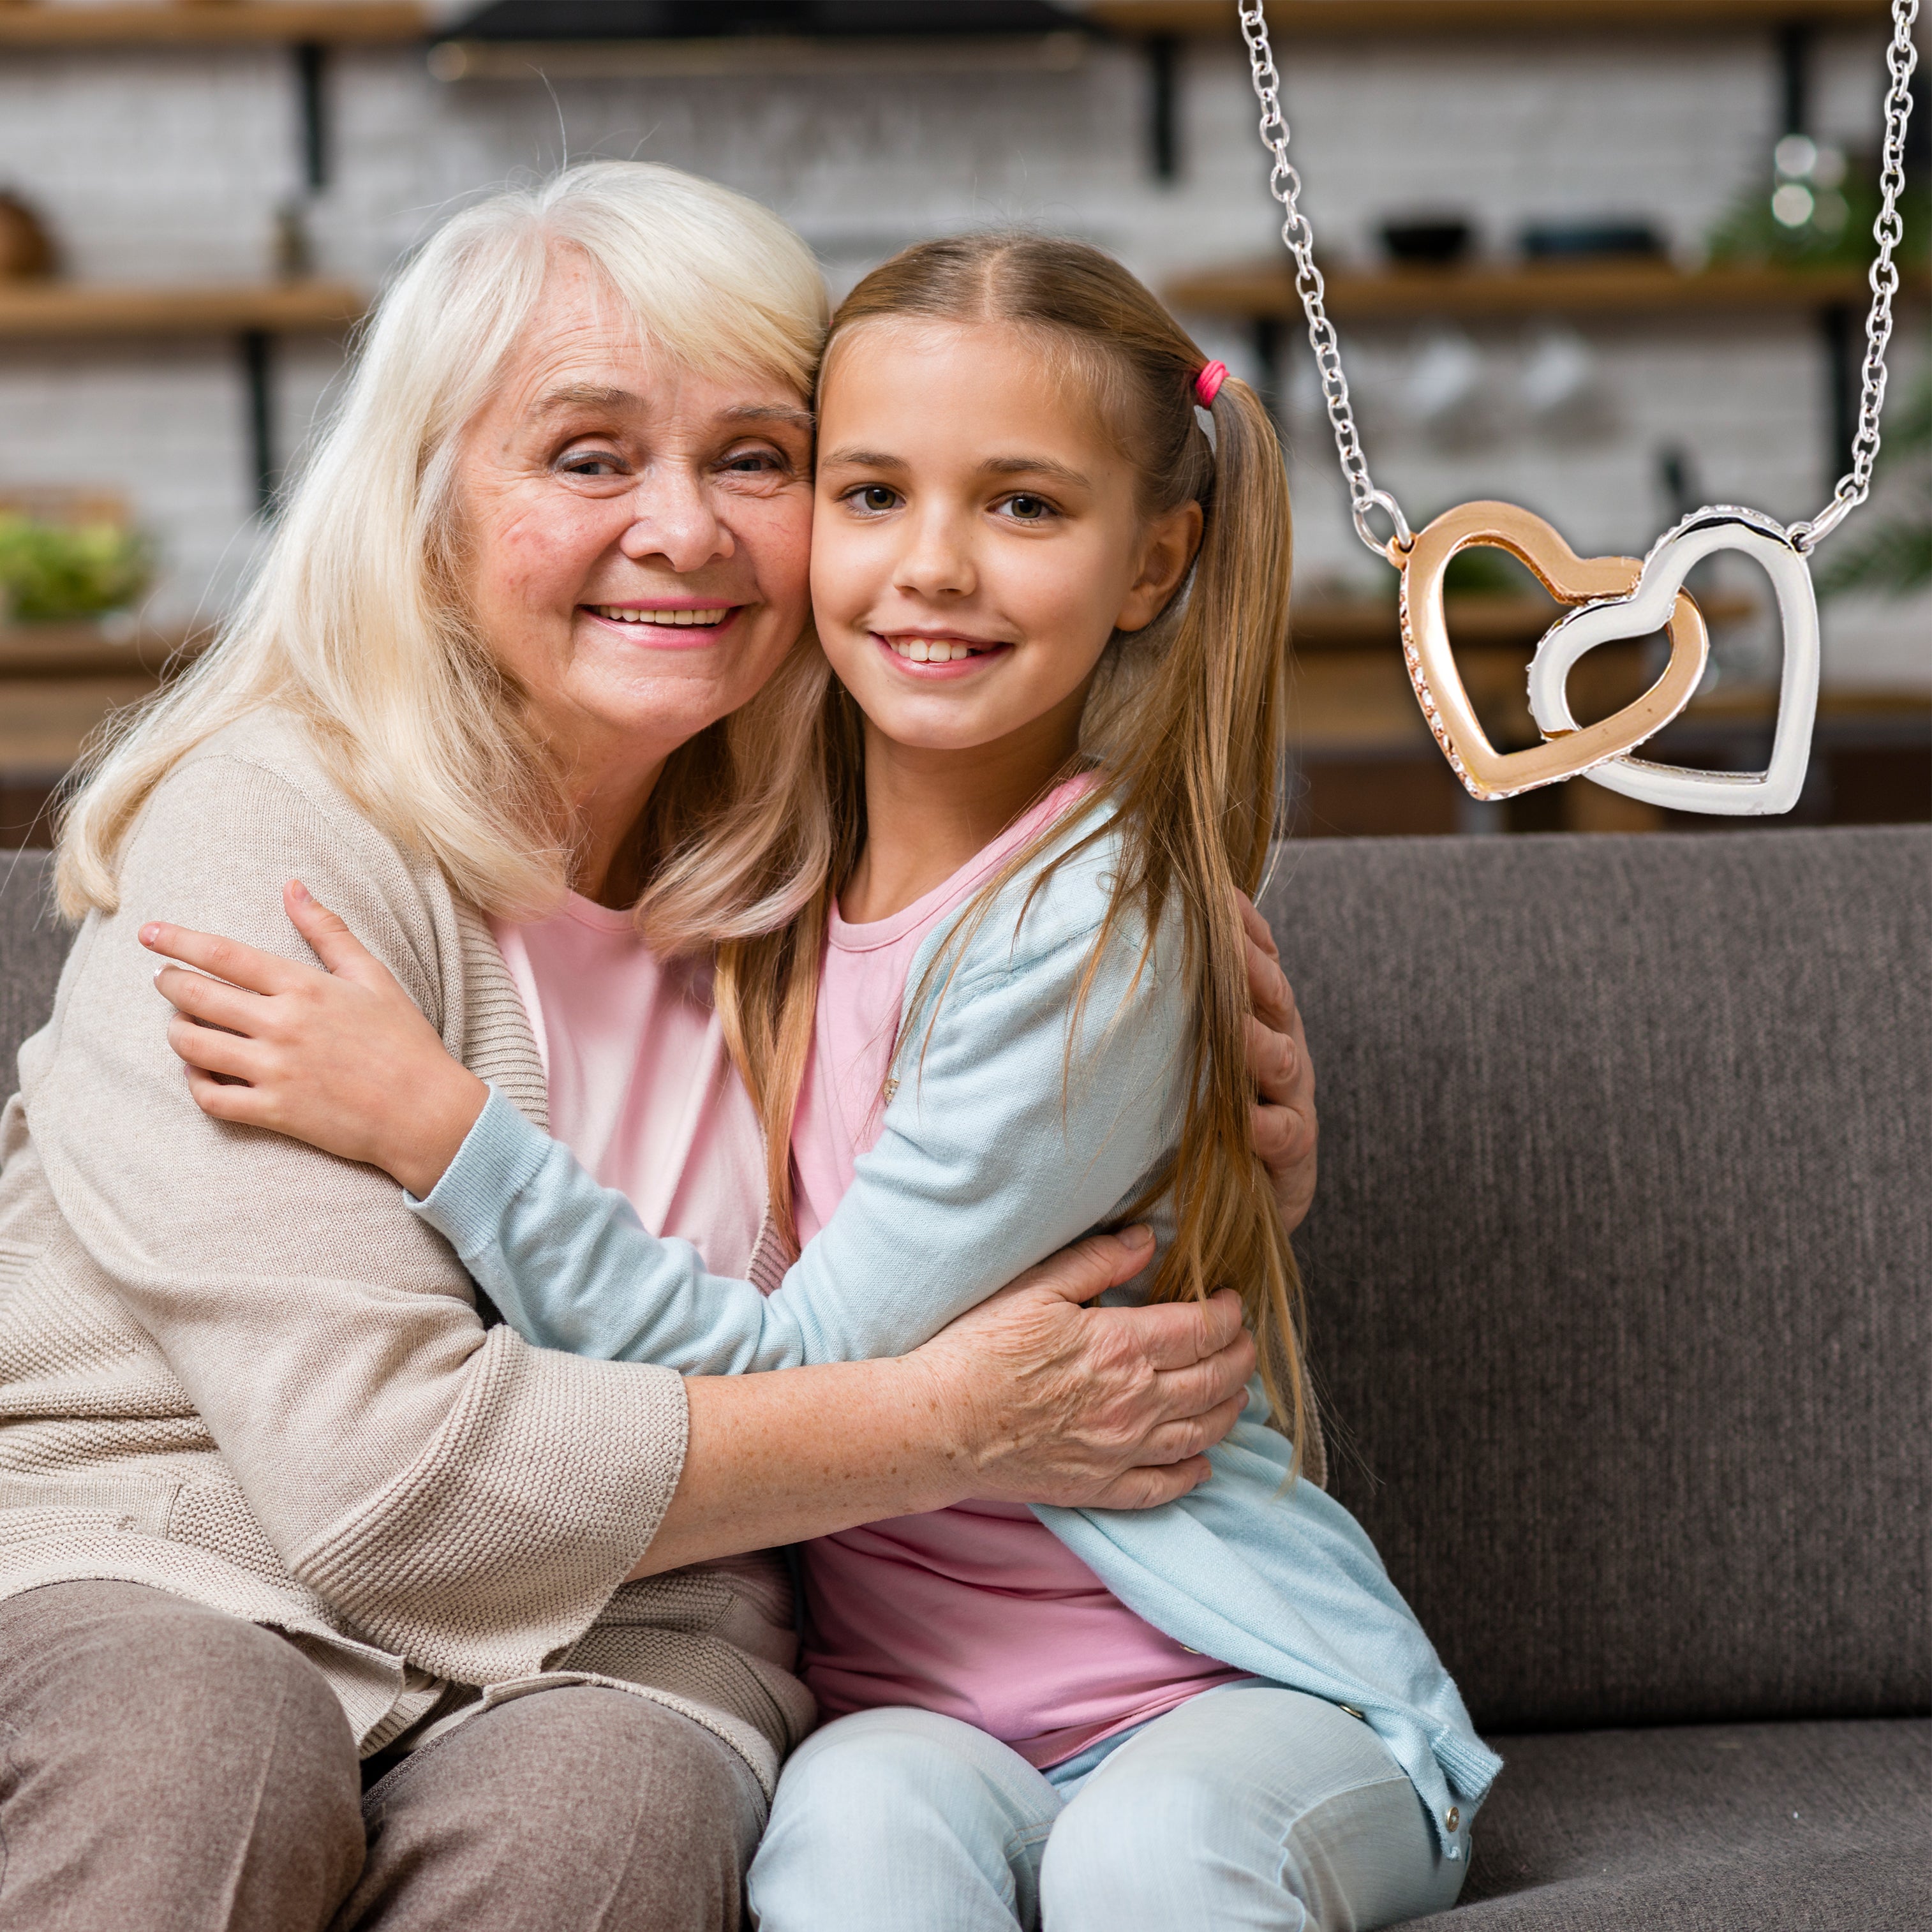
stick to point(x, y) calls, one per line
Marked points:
point(1605, 258)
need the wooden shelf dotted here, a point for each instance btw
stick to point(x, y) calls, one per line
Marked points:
point(29, 309)
point(1359, 703)
point(44, 722)
point(378, 22)
point(85, 650)
point(352, 23)
point(1266, 290)
point(1356, 19)
point(742, 55)
point(1846, 708)
point(1479, 620)
point(58, 682)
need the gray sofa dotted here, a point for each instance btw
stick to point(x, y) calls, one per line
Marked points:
point(1620, 1275)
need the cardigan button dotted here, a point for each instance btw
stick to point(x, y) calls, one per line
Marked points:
point(1452, 1818)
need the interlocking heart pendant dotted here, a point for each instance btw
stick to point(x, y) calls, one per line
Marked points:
point(1734, 793)
point(1569, 579)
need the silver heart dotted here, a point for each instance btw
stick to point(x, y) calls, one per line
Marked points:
point(1738, 794)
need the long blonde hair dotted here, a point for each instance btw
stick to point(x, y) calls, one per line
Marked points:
point(354, 622)
point(1184, 726)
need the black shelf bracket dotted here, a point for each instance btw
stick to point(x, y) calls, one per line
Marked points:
point(1841, 326)
point(311, 63)
point(1268, 338)
point(257, 351)
point(1797, 43)
point(1163, 59)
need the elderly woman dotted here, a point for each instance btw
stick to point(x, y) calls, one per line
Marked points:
point(274, 1495)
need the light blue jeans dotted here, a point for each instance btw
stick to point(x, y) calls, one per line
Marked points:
point(1248, 1807)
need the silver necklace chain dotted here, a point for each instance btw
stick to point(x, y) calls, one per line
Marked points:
point(1855, 486)
point(1285, 185)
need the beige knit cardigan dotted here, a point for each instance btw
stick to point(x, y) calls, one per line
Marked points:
point(238, 1370)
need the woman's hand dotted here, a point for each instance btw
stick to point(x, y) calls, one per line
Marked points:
point(1090, 1408)
point(1284, 1127)
point(341, 1059)
point(1029, 1398)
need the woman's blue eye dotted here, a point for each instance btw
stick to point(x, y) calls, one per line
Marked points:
point(596, 463)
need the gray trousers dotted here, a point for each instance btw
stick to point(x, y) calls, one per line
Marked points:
point(167, 1767)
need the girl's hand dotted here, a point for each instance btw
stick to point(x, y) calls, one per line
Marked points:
point(341, 1059)
point(1284, 1127)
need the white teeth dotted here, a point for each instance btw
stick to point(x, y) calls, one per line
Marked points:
point(933, 650)
point(618, 614)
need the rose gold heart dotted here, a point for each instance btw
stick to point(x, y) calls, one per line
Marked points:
point(1569, 579)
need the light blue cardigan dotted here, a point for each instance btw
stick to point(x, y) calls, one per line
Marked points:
point(991, 1158)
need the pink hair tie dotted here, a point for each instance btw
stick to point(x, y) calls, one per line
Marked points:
point(1208, 384)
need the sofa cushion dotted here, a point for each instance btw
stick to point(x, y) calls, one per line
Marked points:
point(1619, 1268)
point(1733, 1828)
point(33, 943)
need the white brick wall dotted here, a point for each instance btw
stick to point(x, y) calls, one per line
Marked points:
point(168, 166)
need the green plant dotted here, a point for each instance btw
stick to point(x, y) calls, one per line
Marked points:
point(50, 570)
point(1488, 573)
point(1837, 233)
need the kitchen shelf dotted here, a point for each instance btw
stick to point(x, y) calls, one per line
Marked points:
point(1476, 620)
point(351, 22)
point(254, 315)
point(1263, 294)
point(307, 33)
point(81, 650)
point(1357, 703)
point(58, 682)
point(742, 55)
point(65, 309)
point(378, 22)
point(1163, 26)
point(45, 722)
point(1266, 290)
point(1356, 19)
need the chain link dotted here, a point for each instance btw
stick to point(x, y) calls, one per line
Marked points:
point(1285, 185)
point(1887, 231)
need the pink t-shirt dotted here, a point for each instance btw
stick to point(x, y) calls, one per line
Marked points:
point(641, 1088)
point(978, 1611)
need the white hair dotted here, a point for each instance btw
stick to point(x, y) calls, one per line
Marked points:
point(352, 622)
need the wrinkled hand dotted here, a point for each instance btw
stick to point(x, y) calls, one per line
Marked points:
point(1100, 1408)
point(1285, 1130)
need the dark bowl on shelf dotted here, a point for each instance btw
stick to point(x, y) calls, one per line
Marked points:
point(26, 248)
point(1433, 243)
point(1598, 240)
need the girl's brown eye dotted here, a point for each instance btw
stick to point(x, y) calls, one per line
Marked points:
point(876, 496)
point(1028, 509)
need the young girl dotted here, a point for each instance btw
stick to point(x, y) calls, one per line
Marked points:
point(1050, 571)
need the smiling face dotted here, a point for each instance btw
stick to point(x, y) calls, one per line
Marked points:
point(977, 540)
point(636, 536)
